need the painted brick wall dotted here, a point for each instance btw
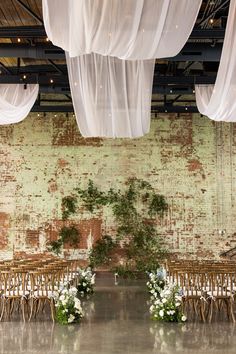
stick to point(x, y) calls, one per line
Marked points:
point(189, 159)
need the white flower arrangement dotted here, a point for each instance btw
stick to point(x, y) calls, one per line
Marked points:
point(86, 282)
point(68, 306)
point(156, 283)
point(166, 298)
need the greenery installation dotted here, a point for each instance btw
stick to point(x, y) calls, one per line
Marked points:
point(135, 210)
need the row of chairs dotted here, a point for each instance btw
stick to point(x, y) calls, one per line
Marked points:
point(28, 285)
point(206, 286)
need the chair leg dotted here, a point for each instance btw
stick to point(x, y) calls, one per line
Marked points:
point(3, 308)
point(210, 311)
point(23, 308)
point(52, 307)
point(32, 301)
point(202, 312)
point(231, 310)
point(9, 308)
point(195, 306)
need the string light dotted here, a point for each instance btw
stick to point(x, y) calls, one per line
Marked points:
point(24, 77)
point(38, 115)
point(18, 40)
point(211, 21)
point(55, 115)
point(47, 39)
point(51, 81)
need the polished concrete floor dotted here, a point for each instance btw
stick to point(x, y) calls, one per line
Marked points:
point(117, 321)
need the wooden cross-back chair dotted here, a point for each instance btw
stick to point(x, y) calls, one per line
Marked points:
point(42, 285)
point(192, 285)
point(221, 292)
point(14, 291)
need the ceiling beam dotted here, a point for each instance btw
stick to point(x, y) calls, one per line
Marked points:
point(190, 52)
point(174, 109)
point(42, 51)
point(29, 11)
point(162, 90)
point(51, 80)
point(39, 32)
point(157, 109)
point(213, 12)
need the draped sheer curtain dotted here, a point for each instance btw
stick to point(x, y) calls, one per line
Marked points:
point(16, 101)
point(218, 101)
point(93, 32)
point(126, 29)
point(111, 96)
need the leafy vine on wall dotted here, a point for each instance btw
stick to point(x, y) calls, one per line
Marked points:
point(135, 210)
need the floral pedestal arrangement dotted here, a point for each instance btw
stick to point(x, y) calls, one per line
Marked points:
point(86, 282)
point(166, 298)
point(68, 306)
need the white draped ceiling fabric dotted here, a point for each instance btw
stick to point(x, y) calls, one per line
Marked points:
point(16, 101)
point(218, 102)
point(111, 48)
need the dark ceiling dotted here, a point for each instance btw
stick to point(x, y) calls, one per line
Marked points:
point(27, 57)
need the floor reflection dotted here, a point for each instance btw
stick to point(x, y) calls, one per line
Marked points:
point(116, 321)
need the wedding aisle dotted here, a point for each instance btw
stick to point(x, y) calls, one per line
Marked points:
point(116, 321)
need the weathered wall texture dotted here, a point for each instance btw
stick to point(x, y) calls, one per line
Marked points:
point(189, 159)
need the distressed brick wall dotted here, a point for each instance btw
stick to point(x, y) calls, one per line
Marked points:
point(189, 159)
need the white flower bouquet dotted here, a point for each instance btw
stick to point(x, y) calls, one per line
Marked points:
point(166, 299)
point(68, 306)
point(156, 283)
point(86, 282)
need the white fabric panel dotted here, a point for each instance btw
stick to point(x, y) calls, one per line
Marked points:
point(16, 101)
point(111, 97)
point(127, 29)
point(218, 102)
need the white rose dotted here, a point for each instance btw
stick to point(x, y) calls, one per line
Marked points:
point(177, 304)
point(164, 300)
point(161, 313)
point(71, 318)
point(183, 318)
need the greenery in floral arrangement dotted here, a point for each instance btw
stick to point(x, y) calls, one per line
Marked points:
point(166, 299)
point(86, 282)
point(156, 283)
point(68, 306)
point(67, 234)
point(101, 251)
